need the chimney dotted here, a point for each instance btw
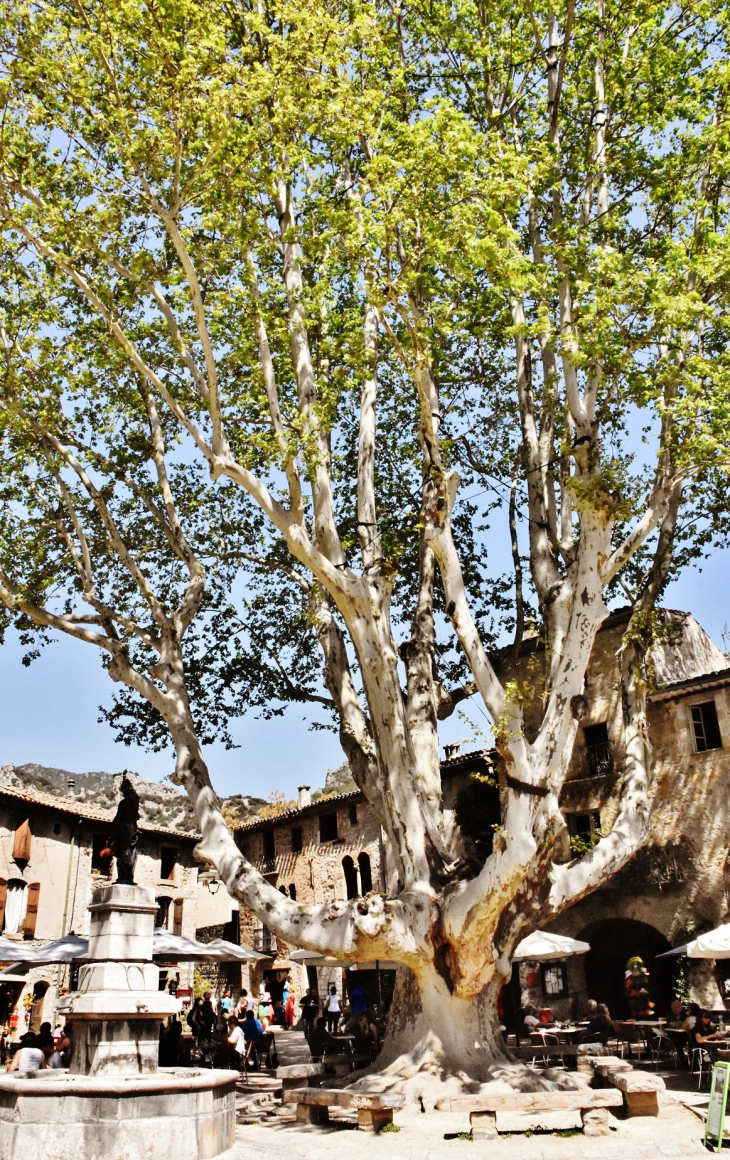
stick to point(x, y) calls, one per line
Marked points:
point(305, 797)
point(71, 784)
point(452, 749)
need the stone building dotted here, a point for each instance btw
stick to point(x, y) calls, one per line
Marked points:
point(324, 850)
point(677, 884)
point(52, 856)
point(674, 887)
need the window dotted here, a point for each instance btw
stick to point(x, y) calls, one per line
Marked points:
point(57, 827)
point(292, 892)
point(22, 841)
point(328, 827)
point(296, 840)
point(269, 846)
point(705, 727)
point(263, 941)
point(101, 855)
point(15, 906)
point(598, 750)
point(163, 913)
point(168, 858)
point(553, 980)
point(366, 877)
point(348, 869)
point(353, 815)
point(584, 825)
point(596, 734)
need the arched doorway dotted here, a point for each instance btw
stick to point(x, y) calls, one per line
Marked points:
point(613, 943)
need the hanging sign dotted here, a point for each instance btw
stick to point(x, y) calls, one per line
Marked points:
point(715, 1122)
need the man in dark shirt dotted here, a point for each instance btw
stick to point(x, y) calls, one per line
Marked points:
point(207, 1015)
point(310, 1006)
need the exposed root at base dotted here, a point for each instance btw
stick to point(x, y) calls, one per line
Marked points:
point(429, 1081)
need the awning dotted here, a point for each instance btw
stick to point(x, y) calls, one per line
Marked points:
point(715, 944)
point(543, 947)
point(167, 947)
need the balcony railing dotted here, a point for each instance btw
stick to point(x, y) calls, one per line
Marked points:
point(600, 759)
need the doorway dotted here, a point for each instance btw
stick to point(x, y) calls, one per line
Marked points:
point(36, 1010)
point(613, 943)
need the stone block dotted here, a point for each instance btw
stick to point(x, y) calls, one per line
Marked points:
point(642, 1103)
point(483, 1125)
point(312, 1114)
point(122, 923)
point(119, 1046)
point(595, 1122)
point(373, 1121)
point(119, 977)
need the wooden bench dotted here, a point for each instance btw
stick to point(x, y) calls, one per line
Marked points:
point(592, 1104)
point(639, 1088)
point(373, 1111)
point(300, 1075)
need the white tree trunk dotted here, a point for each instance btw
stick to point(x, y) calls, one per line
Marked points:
point(436, 1042)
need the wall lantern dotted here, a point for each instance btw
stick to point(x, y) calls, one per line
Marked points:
point(209, 879)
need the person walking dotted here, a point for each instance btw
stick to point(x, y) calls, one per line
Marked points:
point(310, 1006)
point(332, 1009)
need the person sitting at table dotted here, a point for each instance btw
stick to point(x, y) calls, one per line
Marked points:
point(703, 1031)
point(365, 1040)
point(531, 1020)
point(591, 1009)
point(599, 1026)
point(320, 1041)
point(677, 1016)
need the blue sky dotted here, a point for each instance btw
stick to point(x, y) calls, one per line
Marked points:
point(48, 712)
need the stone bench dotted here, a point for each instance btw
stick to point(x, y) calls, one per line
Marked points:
point(300, 1075)
point(373, 1111)
point(592, 1104)
point(639, 1088)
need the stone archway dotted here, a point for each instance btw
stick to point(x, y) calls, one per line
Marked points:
point(613, 942)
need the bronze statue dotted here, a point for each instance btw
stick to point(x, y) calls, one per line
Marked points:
point(124, 833)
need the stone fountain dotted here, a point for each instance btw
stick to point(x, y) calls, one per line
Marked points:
point(114, 1102)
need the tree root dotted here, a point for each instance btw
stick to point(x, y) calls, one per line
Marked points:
point(429, 1081)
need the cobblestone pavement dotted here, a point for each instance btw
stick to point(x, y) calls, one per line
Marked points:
point(268, 1131)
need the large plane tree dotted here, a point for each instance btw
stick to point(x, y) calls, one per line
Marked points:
point(285, 287)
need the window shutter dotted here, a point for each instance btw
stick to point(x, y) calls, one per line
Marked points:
point(3, 900)
point(31, 912)
point(177, 916)
point(21, 845)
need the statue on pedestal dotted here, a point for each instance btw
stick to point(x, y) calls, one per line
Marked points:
point(124, 832)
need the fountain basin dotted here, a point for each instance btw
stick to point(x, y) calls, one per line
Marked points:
point(177, 1113)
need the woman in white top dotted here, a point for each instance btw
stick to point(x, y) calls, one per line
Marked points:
point(332, 1008)
point(29, 1058)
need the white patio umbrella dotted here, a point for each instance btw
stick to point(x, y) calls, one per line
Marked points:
point(68, 949)
point(176, 948)
point(312, 958)
point(713, 945)
point(232, 953)
point(543, 947)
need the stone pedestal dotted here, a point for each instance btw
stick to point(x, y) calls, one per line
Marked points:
point(119, 1008)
